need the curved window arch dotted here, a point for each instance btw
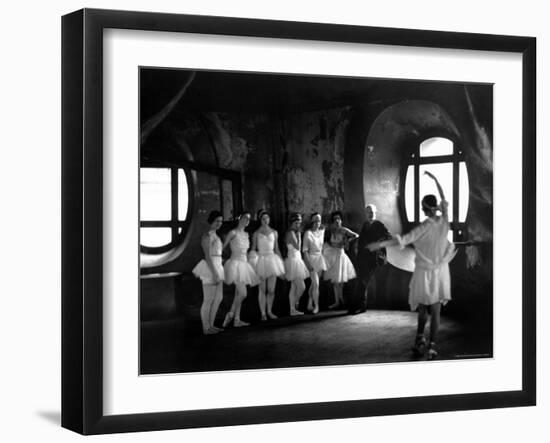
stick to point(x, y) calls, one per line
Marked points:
point(165, 204)
point(444, 158)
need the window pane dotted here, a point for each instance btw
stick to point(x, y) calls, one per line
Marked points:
point(444, 174)
point(436, 146)
point(155, 194)
point(409, 193)
point(463, 192)
point(155, 237)
point(183, 195)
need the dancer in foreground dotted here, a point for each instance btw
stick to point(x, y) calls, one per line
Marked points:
point(295, 268)
point(430, 285)
point(313, 257)
point(340, 268)
point(210, 271)
point(268, 264)
point(237, 269)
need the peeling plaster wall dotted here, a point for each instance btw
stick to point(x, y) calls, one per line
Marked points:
point(314, 169)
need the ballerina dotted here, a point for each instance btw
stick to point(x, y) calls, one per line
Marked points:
point(430, 285)
point(295, 268)
point(237, 269)
point(340, 269)
point(267, 263)
point(210, 271)
point(313, 257)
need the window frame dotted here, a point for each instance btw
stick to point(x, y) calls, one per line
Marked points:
point(412, 157)
point(190, 169)
point(174, 223)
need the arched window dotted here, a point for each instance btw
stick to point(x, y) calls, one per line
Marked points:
point(444, 159)
point(164, 207)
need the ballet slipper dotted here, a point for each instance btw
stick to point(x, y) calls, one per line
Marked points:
point(432, 353)
point(272, 316)
point(238, 323)
point(228, 319)
point(210, 331)
point(294, 312)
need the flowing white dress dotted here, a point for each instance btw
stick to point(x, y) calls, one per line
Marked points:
point(266, 263)
point(431, 280)
point(340, 268)
point(313, 247)
point(202, 270)
point(295, 268)
point(237, 269)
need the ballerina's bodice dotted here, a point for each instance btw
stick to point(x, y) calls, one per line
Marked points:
point(315, 241)
point(292, 251)
point(239, 245)
point(266, 243)
point(337, 239)
point(215, 244)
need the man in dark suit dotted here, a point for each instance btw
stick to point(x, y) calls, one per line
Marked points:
point(367, 261)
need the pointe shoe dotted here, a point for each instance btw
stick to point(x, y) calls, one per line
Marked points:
point(310, 305)
point(315, 310)
point(294, 312)
point(432, 353)
point(272, 316)
point(238, 323)
point(419, 347)
point(228, 319)
point(264, 317)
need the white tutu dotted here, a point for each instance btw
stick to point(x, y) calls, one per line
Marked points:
point(317, 262)
point(267, 265)
point(295, 268)
point(340, 268)
point(238, 270)
point(202, 270)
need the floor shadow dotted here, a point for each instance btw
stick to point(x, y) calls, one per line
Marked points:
point(54, 417)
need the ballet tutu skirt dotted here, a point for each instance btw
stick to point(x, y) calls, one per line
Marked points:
point(238, 270)
point(202, 270)
point(340, 268)
point(267, 265)
point(295, 268)
point(317, 262)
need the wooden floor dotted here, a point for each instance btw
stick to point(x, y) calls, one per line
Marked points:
point(328, 338)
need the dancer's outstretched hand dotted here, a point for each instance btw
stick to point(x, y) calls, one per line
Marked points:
point(373, 246)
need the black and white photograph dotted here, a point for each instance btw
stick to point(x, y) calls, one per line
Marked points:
point(275, 222)
point(291, 221)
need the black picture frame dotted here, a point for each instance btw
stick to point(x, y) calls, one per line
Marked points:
point(82, 218)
